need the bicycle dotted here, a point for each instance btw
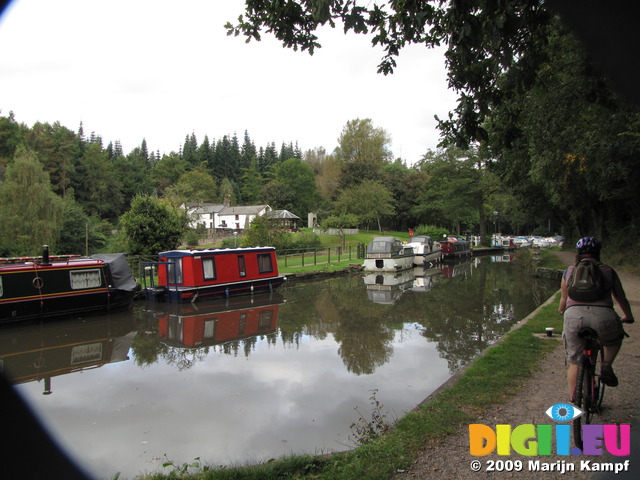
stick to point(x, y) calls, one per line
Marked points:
point(589, 390)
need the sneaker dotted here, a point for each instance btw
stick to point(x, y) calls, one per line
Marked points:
point(608, 377)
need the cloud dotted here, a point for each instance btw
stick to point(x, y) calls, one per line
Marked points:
point(160, 70)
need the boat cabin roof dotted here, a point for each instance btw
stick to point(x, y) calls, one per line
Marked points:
point(384, 245)
point(197, 252)
point(421, 239)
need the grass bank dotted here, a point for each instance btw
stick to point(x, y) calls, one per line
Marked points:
point(491, 379)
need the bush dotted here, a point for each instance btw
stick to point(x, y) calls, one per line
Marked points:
point(301, 241)
point(436, 233)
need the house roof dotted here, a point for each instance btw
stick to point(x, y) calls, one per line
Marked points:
point(248, 210)
point(204, 207)
point(285, 214)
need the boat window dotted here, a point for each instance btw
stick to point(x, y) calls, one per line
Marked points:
point(264, 263)
point(209, 268)
point(209, 328)
point(241, 266)
point(1, 288)
point(242, 324)
point(174, 271)
point(81, 279)
point(91, 352)
point(265, 320)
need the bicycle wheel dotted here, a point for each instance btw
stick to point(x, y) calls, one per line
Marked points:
point(582, 399)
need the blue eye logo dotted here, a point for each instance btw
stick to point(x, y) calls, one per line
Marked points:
point(563, 412)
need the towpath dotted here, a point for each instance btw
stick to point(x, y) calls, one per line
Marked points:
point(451, 459)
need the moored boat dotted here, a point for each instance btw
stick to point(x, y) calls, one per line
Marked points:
point(388, 254)
point(425, 250)
point(58, 285)
point(194, 274)
point(507, 243)
point(455, 246)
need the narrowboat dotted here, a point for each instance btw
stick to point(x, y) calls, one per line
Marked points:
point(425, 250)
point(218, 322)
point(388, 254)
point(455, 246)
point(50, 285)
point(196, 274)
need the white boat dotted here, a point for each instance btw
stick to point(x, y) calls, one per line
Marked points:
point(507, 243)
point(388, 254)
point(425, 250)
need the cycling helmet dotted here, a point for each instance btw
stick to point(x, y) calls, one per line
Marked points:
point(588, 245)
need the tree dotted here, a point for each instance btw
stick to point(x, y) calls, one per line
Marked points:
point(484, 39)
point(30, 212)
point(362, 151)
point(340, 223)
point(251, 183)
point(566, 145)
point(152, 227)
point(452, 195)
point(228, 194)
point(58, 148)
point(133, 173)
point(297, 179)
point(369, 201)
point(167, 171)
point(79, 233)
point(263, 231)
point(405, 184)
point(10, 137)
point(96, 184)
point(195, 186)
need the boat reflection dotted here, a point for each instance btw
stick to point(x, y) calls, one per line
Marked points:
point(426, 278)
point(386, 287)
point(506, 258)
point(39, 351)
point(216, 322)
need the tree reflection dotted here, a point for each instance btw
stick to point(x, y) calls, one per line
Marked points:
point(465, 311)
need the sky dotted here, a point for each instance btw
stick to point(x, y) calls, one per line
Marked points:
point(134, 69)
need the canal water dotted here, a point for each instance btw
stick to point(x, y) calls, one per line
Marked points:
point(254, 378)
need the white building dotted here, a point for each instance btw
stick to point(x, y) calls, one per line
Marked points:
point(202, 214)
point(239, 218)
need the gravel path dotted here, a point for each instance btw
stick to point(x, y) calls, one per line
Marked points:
point(451, 458)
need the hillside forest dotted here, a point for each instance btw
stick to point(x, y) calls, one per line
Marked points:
point(540, 144)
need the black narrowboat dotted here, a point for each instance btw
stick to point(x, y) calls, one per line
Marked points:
point(49, 286)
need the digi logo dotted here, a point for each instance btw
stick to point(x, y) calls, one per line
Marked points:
point(563, 412)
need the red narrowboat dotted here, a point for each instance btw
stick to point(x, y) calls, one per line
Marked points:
point(454, 247)
point(48, 286)
point(195, 274)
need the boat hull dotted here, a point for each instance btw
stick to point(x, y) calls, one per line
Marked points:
point(427, 258)
point(182, 294)
point(61, 288)
point(393, 264)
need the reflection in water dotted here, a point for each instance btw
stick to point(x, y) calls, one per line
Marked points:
point(40, 350)
point(252, 378)
point(182, 333)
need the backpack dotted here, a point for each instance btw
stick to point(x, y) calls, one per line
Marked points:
point(586, 283)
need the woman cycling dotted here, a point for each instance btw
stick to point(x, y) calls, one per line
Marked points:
point(597, 314)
